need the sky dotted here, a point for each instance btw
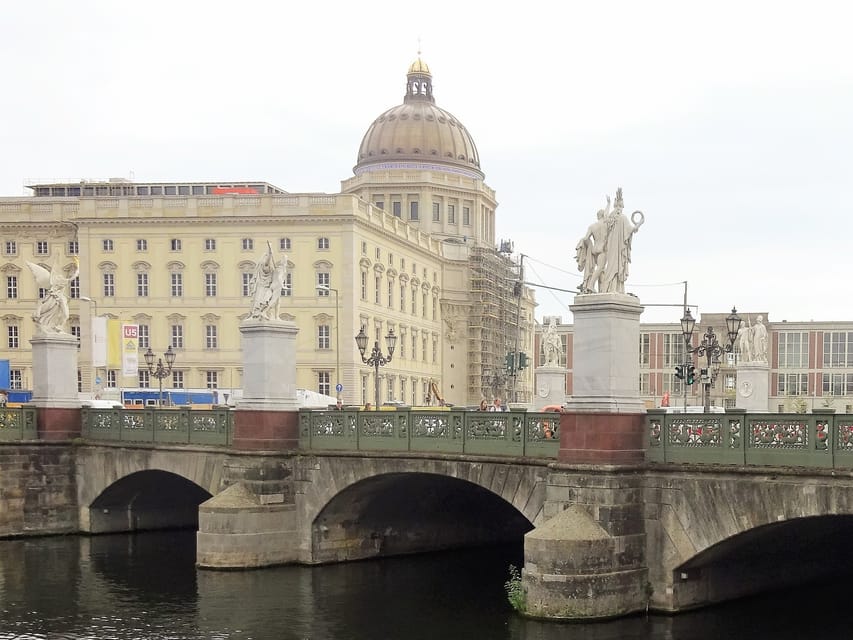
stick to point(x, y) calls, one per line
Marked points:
point(728, 124)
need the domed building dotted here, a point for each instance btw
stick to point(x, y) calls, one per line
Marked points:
point(407, 247)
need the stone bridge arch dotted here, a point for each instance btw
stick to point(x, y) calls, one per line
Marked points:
point(338, 497)
point(718, 536)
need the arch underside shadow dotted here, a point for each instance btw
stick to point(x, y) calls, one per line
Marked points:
point(771, 557)
point(147, 500)
point(404, 513)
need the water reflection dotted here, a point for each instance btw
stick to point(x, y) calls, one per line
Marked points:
point(143, 586)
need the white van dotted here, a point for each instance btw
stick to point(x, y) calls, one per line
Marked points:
point(102, 404)
point(695, 409)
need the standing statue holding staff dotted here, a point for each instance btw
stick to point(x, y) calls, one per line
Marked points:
point(52, 312)
point(604, 253)
point(266, 286)
point(552, 346)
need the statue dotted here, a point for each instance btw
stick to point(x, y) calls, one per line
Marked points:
point(52, 312)
point(758, 340)
point(744, 343)
point(266, 287)
point(604, 253)
point(552, 346)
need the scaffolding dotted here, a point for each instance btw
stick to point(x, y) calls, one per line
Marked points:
point(499, 324)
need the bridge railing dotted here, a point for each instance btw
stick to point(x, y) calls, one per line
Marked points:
point(819, 439)
point(18, 423)
point(507, 433)
point(179, 426)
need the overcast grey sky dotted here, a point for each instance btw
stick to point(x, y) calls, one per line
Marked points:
point(728, 124)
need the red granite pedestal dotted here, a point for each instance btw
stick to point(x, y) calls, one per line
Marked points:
point(601, 438)
point(266, 430)
point(58, 423)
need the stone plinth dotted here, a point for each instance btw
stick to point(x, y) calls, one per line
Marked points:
point(550, 386)
point(753, 383)
point(267, 418)
point(55, 386)
point(602, 438)
point(606, 371)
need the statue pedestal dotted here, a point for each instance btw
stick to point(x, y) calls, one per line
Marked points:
point(753, 384)
point(267, 416)
point(55, 386)
point(604, 417)
point(550, 386)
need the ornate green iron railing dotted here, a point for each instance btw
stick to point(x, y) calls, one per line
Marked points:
point(819, 439)
point(179, 426)
point(18, 423)
point(508, 433)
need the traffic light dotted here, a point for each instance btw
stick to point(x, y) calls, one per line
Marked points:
point(679, 372)
point(522, 360)
point(691, 374)
point(509, 361)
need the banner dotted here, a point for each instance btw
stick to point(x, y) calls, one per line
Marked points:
point(129, 349)
point(113, 344)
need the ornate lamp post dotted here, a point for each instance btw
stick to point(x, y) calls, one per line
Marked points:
point(710, 348)
point(377, 358)
point(161, 370)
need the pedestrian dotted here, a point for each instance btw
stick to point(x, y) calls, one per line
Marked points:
point(496, 405)
point(339, 406)
point(368, 406)
point(484, 405)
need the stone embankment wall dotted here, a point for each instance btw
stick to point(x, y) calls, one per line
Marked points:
point(38, 495)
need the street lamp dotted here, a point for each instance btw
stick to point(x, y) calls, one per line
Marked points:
point(323, 287)
point(710, 348)
point(161, 370)
point(376, 359)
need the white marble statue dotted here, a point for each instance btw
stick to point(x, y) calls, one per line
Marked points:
point(51, 314)
point(604, 253)
point(758, 340)
point(552, 346)
point(266, 286)
point(744, 343)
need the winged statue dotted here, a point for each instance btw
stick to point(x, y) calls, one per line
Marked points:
point(51, 315)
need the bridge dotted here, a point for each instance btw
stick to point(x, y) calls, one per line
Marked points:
point(719, 506)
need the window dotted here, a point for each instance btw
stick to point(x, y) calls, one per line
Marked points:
point(413, 211)
point(644, 384)
point(324, 384)
point(401, 345)
point(142, 244)
point(322, 243)
point(466, 216)
point(397, 209)
point(363, 248)
point(248, 244)
point(424, 348)
point(13, 337)
point(434, 350)
point(284, 244)
point(75, 331)
point(184, 190)
point(16, 379)
point(402, 296)
point(210, 244)
point(144, 336)
point(246, 284)
point(210, 338)
point(210, 285)
point(175, 244)
point(177, 284)
point(414, 300)
point(107, 245)
point(11, 248)
point(364, 285)
point(838, 384)
point(287, 285)
point(424, 305)
point(414, 346)
point(793, 384)
point(673, 350)
point(177, 379)
point(378, 254)
point(645, 340)
point(403, 389)
point(323, 332)
point(451, 213)
point(390, 294)
point(74, 287)
point(112, 379)
point(672, 384)
point(42, 248)
point(379, 204)
point(142, 285)
point(793, 349)
point(377, 292)
point(838, 349)
point(324, 283)
point(73, 248)
point(177, 341)
point(143, 379)
point(211, 379)
point(11, 286)
point(729, 382)
point(436, 212)
point(109, 285)
point(42, 293)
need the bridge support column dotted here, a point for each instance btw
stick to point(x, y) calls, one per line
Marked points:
point(55, 386)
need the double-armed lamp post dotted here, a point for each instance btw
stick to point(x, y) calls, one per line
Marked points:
point(710, 348)
point(160, 371)
point(377, 358)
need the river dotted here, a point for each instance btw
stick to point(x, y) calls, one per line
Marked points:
point(146, 586)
